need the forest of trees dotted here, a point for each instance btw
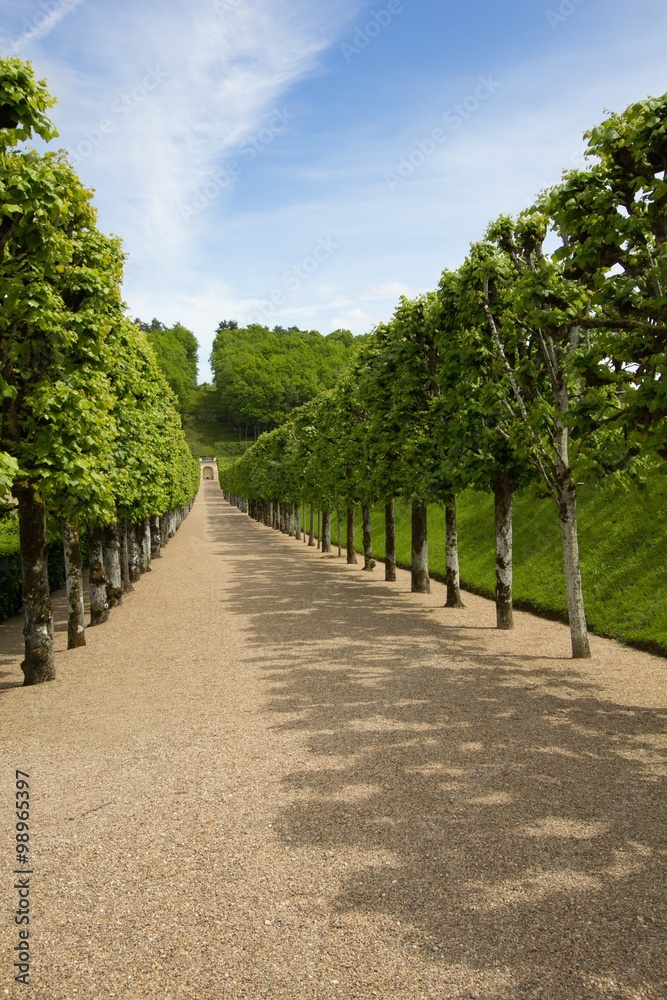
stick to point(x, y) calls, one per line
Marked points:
point(90, 432)
point(261, 375)
point(526, 364)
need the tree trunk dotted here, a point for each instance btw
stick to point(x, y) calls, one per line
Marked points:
point(351, 551)
point(311, 537)
point(390, 541)
point(39, 663)
point(141, 547)
point(421, 583)
point(124, 556)
point(133, 551)
point(112, 565)
point(452, 557)
point(567, 512)
point(297, 522)
point(502, 492)
point(74, 586)
point(290, 520)
point(99, 605)
point(155, 538)
point(326, 531)
point(146, 541)
point(369, 562)
point(164, 529)
point(340, 549)
point(319, 531)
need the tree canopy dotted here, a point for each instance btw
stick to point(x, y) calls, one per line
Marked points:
point(261, 375)
point(176, 350)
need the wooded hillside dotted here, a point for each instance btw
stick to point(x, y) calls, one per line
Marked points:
point(261, 375)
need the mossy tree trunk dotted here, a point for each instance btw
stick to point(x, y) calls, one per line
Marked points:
point(326, 531)
point(311, 535)
point(156, 542)
point(112, 565)
point(369, 562)
point(452, 578)
point(134, 552)
point(146, 545)
point(139, 535)
point(124, 556)
point(297, 522)
point(39, 664)
point(390, 540)
point(74, 586)
point(99, 605)
point(421, 583)
point(503, 491)
point(340, 543)
point(351, 551)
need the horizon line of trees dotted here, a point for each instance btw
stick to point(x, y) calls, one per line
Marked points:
point(525, 364)
point(90, 432)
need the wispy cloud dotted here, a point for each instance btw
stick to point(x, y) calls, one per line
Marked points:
point(38, 24)
point(224, 71)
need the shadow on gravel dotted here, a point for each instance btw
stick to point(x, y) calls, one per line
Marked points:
point(522, 821)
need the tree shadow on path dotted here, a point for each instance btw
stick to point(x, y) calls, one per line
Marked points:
point(521, 817)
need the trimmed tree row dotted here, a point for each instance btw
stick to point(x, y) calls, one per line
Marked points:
point(90, 436)
point(542, 358)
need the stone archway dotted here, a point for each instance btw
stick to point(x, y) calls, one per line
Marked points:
point(209, 469)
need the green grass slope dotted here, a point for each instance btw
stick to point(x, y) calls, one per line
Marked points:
point(623, 541)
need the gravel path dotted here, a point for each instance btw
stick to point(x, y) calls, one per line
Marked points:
point(272, 775)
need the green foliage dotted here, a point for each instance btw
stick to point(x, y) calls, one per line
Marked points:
point(9, 531)
point(612, 219)
point(23, 103)
point(176, 350)
point(9, 469)
point(152, 467)
point(261, 375)
point(69, 362)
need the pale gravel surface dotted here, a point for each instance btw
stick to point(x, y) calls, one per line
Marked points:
point(272, 775)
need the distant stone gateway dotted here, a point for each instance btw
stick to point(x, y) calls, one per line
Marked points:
point(209, 468)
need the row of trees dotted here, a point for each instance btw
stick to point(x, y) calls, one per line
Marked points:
point(541, 358)
point(90, 431)
point(261, 375)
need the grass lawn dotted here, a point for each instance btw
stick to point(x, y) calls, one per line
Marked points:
point(623, 541)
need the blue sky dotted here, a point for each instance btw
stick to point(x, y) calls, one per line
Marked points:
point(308, 162)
